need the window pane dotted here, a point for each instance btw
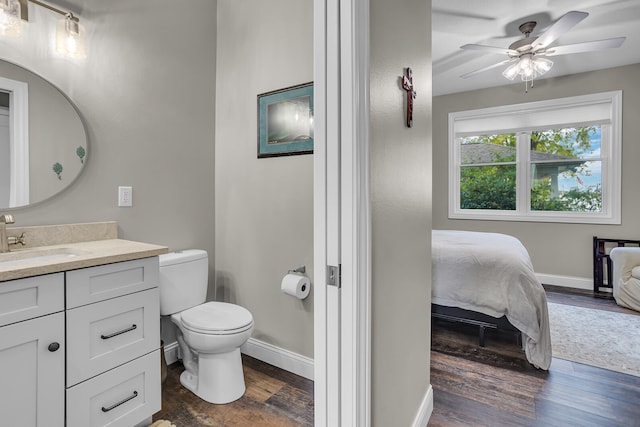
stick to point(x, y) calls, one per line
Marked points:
point(488, 149)
point(488, 187)
point(567, 187)
point(567, 143)
point(562, 179)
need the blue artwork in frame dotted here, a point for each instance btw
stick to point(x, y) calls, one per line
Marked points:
point(285, 121)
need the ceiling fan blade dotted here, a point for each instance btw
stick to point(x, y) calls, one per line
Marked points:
point(482, 70)
point(490, 49)
point(585, 47)
point(562, 25)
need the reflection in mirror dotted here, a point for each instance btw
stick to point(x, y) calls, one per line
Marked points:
point(14, 143)
point(43, 142)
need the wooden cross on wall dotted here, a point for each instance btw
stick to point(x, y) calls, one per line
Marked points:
point(407, 85)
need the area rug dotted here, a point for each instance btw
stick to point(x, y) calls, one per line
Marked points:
point(162, 423)
point(599, 338)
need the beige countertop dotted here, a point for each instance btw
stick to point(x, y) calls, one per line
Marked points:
point(27, 262)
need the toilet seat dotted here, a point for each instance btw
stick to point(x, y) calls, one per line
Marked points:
point(217, 318)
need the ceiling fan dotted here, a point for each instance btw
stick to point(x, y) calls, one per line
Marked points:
point(528, 56)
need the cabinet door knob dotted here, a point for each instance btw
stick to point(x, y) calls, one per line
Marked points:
point(54, 346)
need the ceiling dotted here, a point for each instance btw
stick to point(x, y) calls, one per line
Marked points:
point(495, 23)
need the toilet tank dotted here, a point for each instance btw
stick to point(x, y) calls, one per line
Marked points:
point(183, 280)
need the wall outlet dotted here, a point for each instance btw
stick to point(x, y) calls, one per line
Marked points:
point(125, 196)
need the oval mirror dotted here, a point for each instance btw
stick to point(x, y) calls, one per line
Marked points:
point(43, 140)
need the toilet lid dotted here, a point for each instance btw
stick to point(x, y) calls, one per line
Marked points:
point(215, 317)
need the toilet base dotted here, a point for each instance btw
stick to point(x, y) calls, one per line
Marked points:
point(219, 377)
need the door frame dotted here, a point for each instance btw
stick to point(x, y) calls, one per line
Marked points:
point(18, 140)
point(342, 224)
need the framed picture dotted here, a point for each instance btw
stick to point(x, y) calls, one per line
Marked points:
point(285, 121)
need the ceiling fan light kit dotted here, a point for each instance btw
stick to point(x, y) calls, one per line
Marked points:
point(527, 55)
point(528, 67)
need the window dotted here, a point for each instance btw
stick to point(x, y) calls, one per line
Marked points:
point(555, 161)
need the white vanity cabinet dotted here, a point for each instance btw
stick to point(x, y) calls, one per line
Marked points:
point(81, 348)
point(32, 351)
point(113, 344)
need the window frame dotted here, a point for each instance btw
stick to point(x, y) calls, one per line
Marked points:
point(602, 109)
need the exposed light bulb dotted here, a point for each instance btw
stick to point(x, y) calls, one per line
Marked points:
point(70, 43)
point(70, 38)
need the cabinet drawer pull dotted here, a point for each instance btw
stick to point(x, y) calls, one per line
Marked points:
point(125, 400)
point(115, 334)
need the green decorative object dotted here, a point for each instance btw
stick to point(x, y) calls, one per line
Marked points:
point(57, 168)
point(80, 151)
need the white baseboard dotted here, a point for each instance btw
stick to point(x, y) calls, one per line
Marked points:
point(268, 353)
point(566, 281)
point(171, 352)
point(425, 410)
point(279, 357)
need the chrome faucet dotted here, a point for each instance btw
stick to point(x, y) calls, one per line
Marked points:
point(4, 240)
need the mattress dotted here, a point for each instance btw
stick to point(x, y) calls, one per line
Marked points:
point(492, 273)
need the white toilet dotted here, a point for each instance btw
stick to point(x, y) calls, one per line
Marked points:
point(209, 334)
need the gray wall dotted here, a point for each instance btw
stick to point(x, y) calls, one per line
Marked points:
point(401, 211)
point(147, 93)
point(264, 207)
point(556, 249)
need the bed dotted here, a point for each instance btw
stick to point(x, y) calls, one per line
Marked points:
point(492, 274)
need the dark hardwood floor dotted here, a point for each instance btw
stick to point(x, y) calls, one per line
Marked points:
point(473, 386)
point(274, 397)
point(496, 386)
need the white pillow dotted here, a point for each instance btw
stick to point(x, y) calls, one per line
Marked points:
point(636, 272)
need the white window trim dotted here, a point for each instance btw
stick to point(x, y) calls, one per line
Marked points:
point(604, 108)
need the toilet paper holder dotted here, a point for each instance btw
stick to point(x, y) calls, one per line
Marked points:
point(300, 270)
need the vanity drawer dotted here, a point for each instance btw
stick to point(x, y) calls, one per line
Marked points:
point(89, 285)
point(110, 333)
point(122, 397)
point(23, 299)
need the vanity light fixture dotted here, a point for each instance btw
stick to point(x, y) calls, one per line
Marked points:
point(10, 18)
point(70, 35)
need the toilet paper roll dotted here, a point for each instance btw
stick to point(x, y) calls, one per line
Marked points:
point(296, 285)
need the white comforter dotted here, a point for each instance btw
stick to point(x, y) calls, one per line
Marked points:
point(492, 274)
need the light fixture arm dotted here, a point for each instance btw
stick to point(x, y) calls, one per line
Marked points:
point(24, 5)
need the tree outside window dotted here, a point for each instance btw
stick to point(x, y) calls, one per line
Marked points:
point(565, 170)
